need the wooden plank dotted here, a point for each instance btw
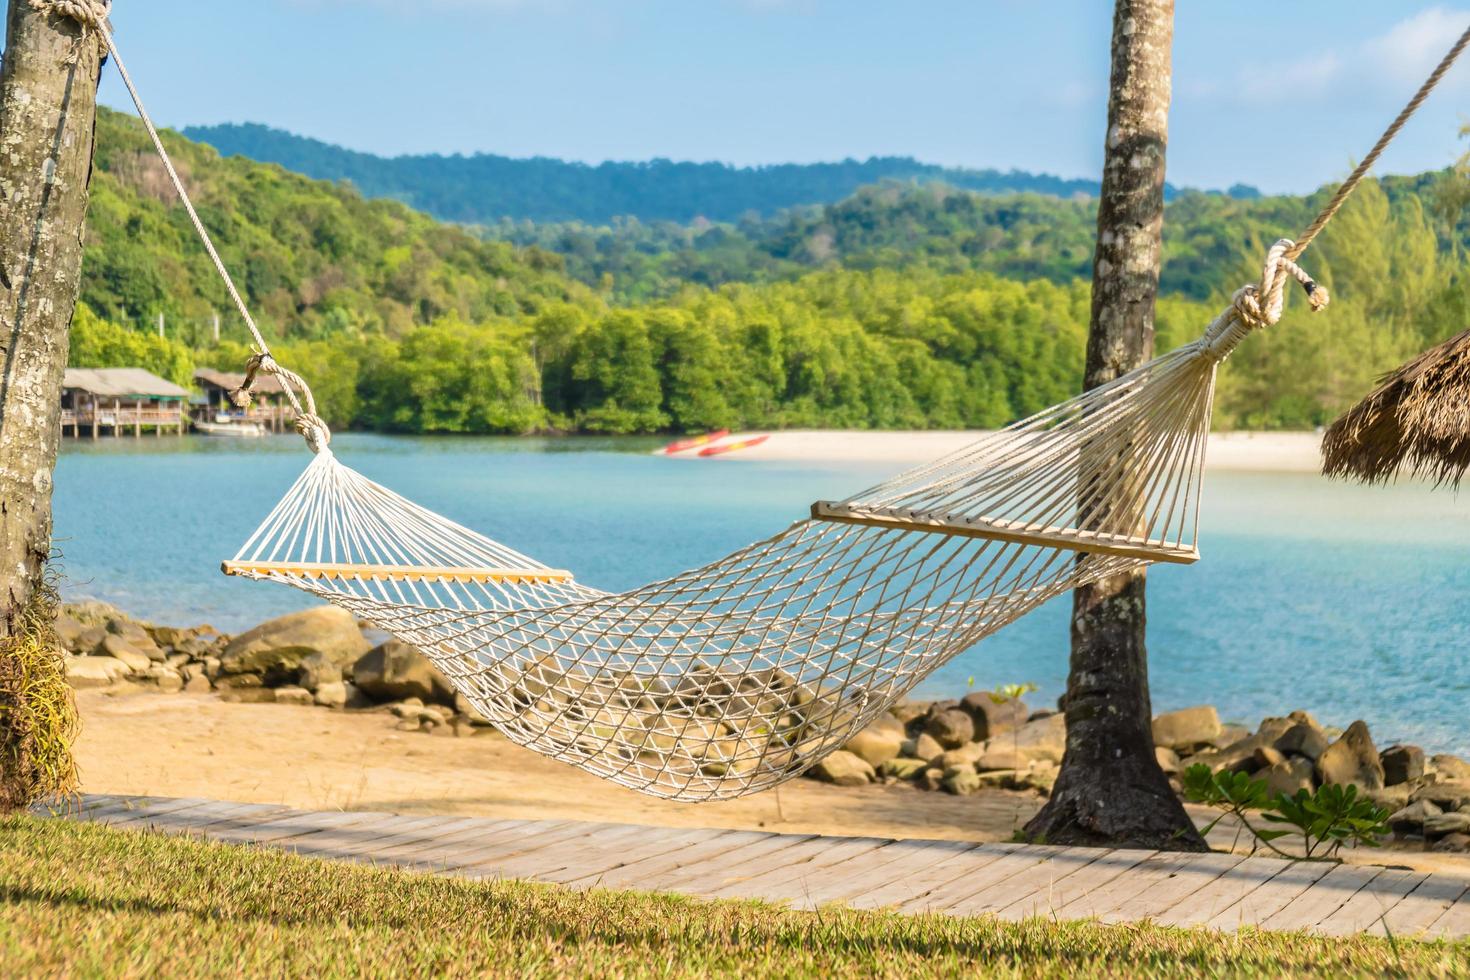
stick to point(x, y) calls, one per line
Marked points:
point(1015, 532)
point(483, 847)
point(961, 887)
point(737, 864)
point(488, 864)
point(332, 571)
point(1224, 892)
point(1027, 882)
point(1330, 893)
point(1365, 911)
point(630, 875)
point(533, 862)
point(1454, 923)
point(1067, 888)
point(126, 808)
point(451, 836)
point(1176, 888)
point(204, 822)
point(924, 880)
point(792, 879)
point(1422, 907)
point(1261, 904)
point(589, 874)
point(188, 815)
point(361, 841)
point(295, 828)
point(1152, 870)
point(894, 862)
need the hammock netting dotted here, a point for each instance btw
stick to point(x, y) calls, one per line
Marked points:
point(734, 677)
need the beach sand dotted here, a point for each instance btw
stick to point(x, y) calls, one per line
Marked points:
point(1295, 452)
point(311, 758)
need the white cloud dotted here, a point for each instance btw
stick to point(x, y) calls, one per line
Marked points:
point(1412, 47)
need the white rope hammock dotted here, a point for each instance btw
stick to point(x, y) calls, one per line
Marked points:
point(734, 677)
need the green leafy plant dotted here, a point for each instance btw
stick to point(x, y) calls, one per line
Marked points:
point(1325, 820)
point(1010, 692)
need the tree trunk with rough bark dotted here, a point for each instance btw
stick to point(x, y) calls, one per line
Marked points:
point(48, 100)
point(1111, 791)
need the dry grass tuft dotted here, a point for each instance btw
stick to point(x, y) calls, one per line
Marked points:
point(38, 715)
point(1417, 421)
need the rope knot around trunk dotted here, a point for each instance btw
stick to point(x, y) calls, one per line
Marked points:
point(89, 13)
point(1257, 306)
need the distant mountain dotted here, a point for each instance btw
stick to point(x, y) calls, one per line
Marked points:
point(485, 188)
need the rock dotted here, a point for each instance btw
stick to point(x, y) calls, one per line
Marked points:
point(83, 672)
point(961, 782)
point(1446, 823)
point(990, 717)
point(1453, 844)
point(1451, 794)
point(291, 694)
point(1188, 728)
point(1229, 735)
point(279, 645)
point(903, 768)
point(165, 678)
point(1168, 760)
point(1287, 776)
point(1410, 819)
point(316, 669)
point(249, 695)
point(90, 641)
point(843, 769)
point(1352, 759)
point(462, 728)
point(137, 637)
point(875, 746)
point(1043, 739)
point(395, 670)
point(1266, 756)
point(1390, 798)
point(1402, 764)
point(886, 722)
point(119, 648)
point(931, 778)
point(1304, 718)
point(409, 725)
point(1237, 756)
point(92, 612)
point(1001, 757)
point(332, 694)
point(463, 707)
point(229, 682)
point(909, 711)
point(950, 728)
point(197, 684)
point(69, 632)
point(1302, 739)
point(176, 660)
point(1451, 767)
point(922, 747)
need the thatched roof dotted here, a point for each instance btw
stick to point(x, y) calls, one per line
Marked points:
point(121, 383)
point(265, 384)
point(1417, 421)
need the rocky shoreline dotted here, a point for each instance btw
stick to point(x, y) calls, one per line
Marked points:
point(322, 657)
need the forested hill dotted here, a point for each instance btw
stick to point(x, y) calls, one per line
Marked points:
point(486, 188)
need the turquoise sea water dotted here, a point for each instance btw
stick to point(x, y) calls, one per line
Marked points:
point(1351, 602)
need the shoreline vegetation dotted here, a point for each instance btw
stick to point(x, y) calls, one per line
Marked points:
point(905, 306)
point(980, 743)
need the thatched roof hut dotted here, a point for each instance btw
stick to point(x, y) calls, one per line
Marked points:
point(1417, 421)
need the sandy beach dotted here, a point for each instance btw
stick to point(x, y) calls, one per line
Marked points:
point(1277, 452)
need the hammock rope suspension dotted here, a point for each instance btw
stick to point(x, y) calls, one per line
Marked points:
point(733, 677)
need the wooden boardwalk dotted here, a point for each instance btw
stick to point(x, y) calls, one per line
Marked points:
point(1012, 881)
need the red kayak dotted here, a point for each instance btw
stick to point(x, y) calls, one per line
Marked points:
point(694, 442)
point(729, 447)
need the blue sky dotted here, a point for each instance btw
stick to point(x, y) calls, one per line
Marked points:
point(1283, 95)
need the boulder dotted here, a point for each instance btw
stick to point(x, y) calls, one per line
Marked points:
point(395, 670)
point(90, 641)
point(165, 678)
point(1287, 776)
point(229, 682)
point(1303, 739)
point(876, 746)
point(1000, 757)
point(1390, 798)
point(1446, 823)
point(951, 728)
point(1451, 794)
point(886, 722)
point(316, 670)
point(249, 695)
point(843, 769)
point(137, 637)
point(84, 672)
point(1352, 759)
point(1266, 756)
point(1402, 764)
point(902, 768)
point(119, 648)
point(279, 645)
point(1239, 755)
point(909, 711)
point(931, 778)
point(291, 694)
point(331, 695)
point(1168, 760)
point(1188, 728)
point(961, 781)
point(1410, 819)
point(992, 717)
point(471, 714)
point(964, 757)
point(922, 747)
point(197, 684)
point(1043, 739)
point(1451, 767)
point(1453, 844)
point(69, 632)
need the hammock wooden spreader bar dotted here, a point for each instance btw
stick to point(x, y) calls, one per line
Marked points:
point(736, 676)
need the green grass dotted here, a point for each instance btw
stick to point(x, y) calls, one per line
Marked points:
point(79, 899)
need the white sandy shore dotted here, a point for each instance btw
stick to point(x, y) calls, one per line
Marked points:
point(1281, 452)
